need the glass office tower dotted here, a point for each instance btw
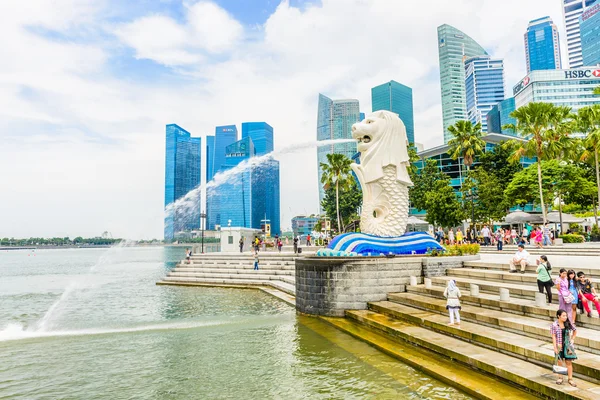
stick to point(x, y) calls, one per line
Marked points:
point(484, 87)
point(454, 48)
point(398, 98)
point(182, 174)
point(589, 23)
point(572, 10)
point(224, 136)
point(542, 45)
point(334, 121)
point(499, 116)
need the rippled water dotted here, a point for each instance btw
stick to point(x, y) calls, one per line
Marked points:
point(114, 334)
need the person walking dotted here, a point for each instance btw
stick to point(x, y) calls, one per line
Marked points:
point(525, 235)
point(295, 244)
point(279, 244)
point(241, 243)
point(563, 336)
point(587, 294)
point(565, 298)
point(451, 236)
point(485, 232)
point(544, 280)
point(513, 236)
point(308, 240)
point(459, 237)
point(574, 290)
point(546, 235)
point(256, 261)
point(452, 293)
point(499, 239)
point(539, 237)
point(188, 256)
point(521, 258)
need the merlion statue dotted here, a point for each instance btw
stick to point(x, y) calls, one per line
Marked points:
point(383, 173)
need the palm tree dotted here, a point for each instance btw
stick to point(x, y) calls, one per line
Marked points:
point(597, 90)
point(336, 172)
point(545, 128)
point(588, 123)
point(467, 143)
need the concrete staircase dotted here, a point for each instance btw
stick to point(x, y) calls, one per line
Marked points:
point(506, 339)
point(566, 250)
point(236, 270)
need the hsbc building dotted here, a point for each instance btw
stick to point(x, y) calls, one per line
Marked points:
point(566, 87)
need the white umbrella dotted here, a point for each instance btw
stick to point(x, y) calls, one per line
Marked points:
point(519, 217)
point(412, 220)
point(554, 217)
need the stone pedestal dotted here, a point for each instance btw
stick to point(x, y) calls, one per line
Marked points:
point(329, 286)
point(474, 290)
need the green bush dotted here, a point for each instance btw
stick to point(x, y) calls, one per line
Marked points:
point(595, 234)
point(572, 238)
point(455, 250)
point(575, 228)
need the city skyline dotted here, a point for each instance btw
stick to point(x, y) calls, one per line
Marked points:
point(85, 109)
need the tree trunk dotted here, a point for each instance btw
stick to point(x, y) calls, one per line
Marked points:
point(595, 210)
point(597, 183)
point(560, 212)
point(337, 205)
point(539, 170)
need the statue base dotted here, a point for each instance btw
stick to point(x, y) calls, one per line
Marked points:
point(362, 244)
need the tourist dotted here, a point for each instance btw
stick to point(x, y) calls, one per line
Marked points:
point(452, 293)
point(587, 293)
point(287, 241)
point(256, 244)
point(459, 237)
point(521, 258)
point(241, 243)
point(451, 236)
point(308, 240)
point(507, 236)
point(439, 235)
point(430, 231)
point(485, 232)
point(499, 239)
point(573, 288)
point(546, 235)
point(544, 280)
point(539, 237)
point(256, 261)
point(279, 244)
point(525, 235)
point(565, 298)
point(295, 244)
point(563, 337)
point(513, 236)
point(188, 256)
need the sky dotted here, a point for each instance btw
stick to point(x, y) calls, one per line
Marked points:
point(87, 87)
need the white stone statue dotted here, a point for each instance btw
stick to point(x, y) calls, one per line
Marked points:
point(383, 173)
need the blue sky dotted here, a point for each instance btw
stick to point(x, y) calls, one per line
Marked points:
point(87, 87)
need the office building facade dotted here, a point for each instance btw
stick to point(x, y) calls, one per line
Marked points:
point(182, 174)
point(454, 48)
point(571, 11)
point(334, 121)
point(303, 225)
point(499, 116)
point(484, 87)
point(589, 24)
point(542, 45)
point(568, 87)
point(398, 98)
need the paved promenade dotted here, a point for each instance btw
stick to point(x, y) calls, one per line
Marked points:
point(557, 261)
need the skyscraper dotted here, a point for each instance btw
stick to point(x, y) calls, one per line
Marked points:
point(261, 134)
point(182, 174)
point(572, 10)
point(224, 136)
point(395, 97)
point(484, 87)
point(210, 153)
point(499, 116)
point(542, 45)
point(454, 48)
point(590, 35)
point(334, 121)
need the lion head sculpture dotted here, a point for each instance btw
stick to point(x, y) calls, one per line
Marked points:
point(382, 141)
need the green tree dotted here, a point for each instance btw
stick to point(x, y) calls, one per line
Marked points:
point(597, 90)
point(350, 199)
point(336, 172)
point(488, 191)
point(544, 126)
point(588, 123)
point(423, 182)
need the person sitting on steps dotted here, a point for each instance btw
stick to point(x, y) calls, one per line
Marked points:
point(521, 258)
point(587, 293)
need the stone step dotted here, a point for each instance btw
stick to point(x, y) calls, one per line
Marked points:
point(517, 306)
point(516, 289)
point(478, 385)
point(283, 286)
point(503, 276)
point(521, 373)
point(286, 272)
point(546, 250)
point(590, 272)
point(249, 264)
point(257, 276)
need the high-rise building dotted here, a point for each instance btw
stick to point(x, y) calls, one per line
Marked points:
point(484, 87)
point(572, 10)
point(182, 174)
point(454, 48)
point(334, 121)
point(589, 23)
point(303, 225)
point(210, 152)
point(251, 195)
point(542, 45)
point(224, 136)
point(398, 98)
point(499, 116)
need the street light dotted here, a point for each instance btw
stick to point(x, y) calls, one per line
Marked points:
point(202, 222)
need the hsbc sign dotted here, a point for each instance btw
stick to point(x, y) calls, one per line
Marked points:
point(578, 74)
point(521, 85)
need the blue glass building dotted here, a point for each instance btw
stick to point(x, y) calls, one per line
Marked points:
point(261, 134)
point(589, 24)
point(182, 174)
point(484, 87)
point(210, 151)
point(499, 116)
point(542, 45)
point(398, 98)
point(224, 136)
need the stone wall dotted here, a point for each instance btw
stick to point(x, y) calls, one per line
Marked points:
point(329, 286)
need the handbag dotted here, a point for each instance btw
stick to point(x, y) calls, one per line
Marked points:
point(558, 369)
point(569, 298)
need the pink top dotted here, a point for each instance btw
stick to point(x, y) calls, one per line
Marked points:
point(538, 236)
point(564, 286)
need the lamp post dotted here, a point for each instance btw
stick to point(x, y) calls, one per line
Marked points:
point(202, 222)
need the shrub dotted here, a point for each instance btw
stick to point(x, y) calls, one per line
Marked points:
point(572, 238)
point(575, 228)
point(595, 234)
point(455, 250)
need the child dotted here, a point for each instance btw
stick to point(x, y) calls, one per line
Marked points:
point(453, 304)
point(256, 261)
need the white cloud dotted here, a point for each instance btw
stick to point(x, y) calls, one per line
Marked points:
point(84, 145)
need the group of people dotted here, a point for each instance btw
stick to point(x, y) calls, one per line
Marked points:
point(539, 236)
